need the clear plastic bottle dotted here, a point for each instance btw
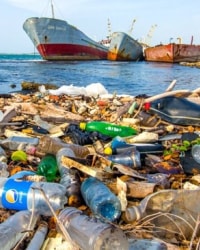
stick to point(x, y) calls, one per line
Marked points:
point(3, 163)
point(69, 178)
point(107, 128)
point(3, 156)
point(43, 124)
point(91, 233)
point(100, 199)
point(4, 169)
point(177, 204)
point(13, 229)
point(38, 239)
point(18, 142)
point(51, 145)
point(48, 167)
point(130, 158)
point(18, 194)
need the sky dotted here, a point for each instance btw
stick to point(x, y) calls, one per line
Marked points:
point(171, 20)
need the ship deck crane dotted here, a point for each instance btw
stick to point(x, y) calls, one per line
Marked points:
point(132, 25)
point(150, 34)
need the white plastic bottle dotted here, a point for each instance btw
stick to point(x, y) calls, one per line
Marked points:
point(18, 194)
point(14, 228)
point(90, 233)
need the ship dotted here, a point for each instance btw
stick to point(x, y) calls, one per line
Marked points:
point(123, 47)
point(56, 39)
point(173, 53)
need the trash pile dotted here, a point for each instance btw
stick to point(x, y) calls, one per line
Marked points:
point(98, 170)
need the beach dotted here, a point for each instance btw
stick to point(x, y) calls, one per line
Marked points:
point(59, 116)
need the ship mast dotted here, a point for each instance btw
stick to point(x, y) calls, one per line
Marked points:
point(109, 28)
point(52, 9)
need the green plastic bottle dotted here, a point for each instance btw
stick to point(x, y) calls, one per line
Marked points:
point(48, 167)
point(107, 128)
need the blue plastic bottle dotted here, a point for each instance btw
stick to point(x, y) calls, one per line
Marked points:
point(119, 145)
point(99, 198)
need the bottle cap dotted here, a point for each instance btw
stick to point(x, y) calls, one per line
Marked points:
point(108, 151)
point(82, 125)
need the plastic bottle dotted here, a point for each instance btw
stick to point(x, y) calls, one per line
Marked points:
point(14, 228)
point(43, 124)
point(38, 239)
point(91, 233)
point(119, 145)
point(51, 146)
point(177, 204)
point(107, 128)
point(3, 156)
point(22, 174)
point(69, 178)
point(48, 167)
point(100, 199)
point(4, 169)
point(130, 158)
point(18, 142)
point(26, 195)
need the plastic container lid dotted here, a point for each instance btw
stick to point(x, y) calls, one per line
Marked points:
point(82, 125)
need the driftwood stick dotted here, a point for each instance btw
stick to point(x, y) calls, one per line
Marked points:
point(196, 90)
point(171, 86)
point(171, 93)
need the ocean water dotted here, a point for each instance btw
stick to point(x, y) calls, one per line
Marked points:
point(132, 78)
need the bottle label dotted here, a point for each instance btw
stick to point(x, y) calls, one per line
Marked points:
point(14, 194)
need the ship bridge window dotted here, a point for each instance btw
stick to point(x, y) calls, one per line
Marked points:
point(60, 28)
point(51, 27)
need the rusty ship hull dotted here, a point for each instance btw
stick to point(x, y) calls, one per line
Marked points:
point(173, 53)
point(124, 48)
point(56, 39)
